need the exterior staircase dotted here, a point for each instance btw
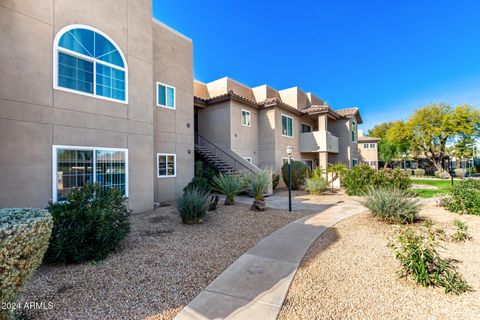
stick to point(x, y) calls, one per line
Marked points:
point(214, 160)
point(225, 161)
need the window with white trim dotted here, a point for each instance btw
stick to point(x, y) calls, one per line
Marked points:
point(366, 145)
point(287, 126)
point(246, 118)
point(165, 96)
point(249, 159)
point(76, 166)
point(372, 145)
point(89, 63)
point(166, 165)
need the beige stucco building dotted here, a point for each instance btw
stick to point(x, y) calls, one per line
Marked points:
point(368, 151)
point(259, 123)
point(97, 93)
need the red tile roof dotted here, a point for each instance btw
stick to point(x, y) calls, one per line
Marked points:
point(313, 109)
point(368, 139)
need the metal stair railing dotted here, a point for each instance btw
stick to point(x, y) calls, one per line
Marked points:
point(216, 150)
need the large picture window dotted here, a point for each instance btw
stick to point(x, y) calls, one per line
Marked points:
point(76, 166)
point(88, 62)
point(166, 165)
point(287, 126)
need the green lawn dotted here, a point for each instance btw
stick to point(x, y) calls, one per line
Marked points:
point(442, 185)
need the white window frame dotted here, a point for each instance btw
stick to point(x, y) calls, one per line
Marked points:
point(166, 165)
point(249, 118)
point(57, 49)
point(372, 145)
point(174, 96)
point(94, 149)
point(249, 159)
point(305, 124)
point(281, 124)
point(366, 146)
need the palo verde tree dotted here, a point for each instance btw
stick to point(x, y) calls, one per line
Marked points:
point(430, 129)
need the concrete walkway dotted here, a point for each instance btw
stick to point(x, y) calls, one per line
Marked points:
point(256, 284)
point(277, 202)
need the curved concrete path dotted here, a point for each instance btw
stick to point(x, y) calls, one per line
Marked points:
point(256, 284)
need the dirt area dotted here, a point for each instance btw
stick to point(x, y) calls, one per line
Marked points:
point(162, 266)
point(350, 273)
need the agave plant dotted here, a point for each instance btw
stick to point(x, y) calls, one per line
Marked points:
point(257, 185)
point(228, 185)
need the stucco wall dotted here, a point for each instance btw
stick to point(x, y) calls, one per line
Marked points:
point(244, 140)
point(174, 129)
point(34, 116)
point(214, 124)
point(368, 154)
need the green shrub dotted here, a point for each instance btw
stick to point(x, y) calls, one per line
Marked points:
point(358, 179)
point(298, 171)
point(391, 205)
point(464, 197)
point(24, 235)
point(198, 183)
point(228, 185)
point(461, 231)
point(88, 226)
point(275, 180)
point(391, 178)
point(193, 205)
point(316, 185)
point(460, 173)
point(444, 175)
point(420, 260)
point(419, 172)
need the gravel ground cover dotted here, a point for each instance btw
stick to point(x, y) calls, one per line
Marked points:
point(350, 273)
point(161, 266)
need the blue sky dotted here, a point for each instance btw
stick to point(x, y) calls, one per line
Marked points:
point(386, 57)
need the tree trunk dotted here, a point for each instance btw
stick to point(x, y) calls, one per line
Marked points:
point(229, 202)
point(258, 205)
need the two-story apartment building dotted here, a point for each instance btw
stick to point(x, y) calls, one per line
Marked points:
point(259, 123)
point(368, 151)
point(93, 92)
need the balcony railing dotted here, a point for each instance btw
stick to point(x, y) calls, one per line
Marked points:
point(318, 141)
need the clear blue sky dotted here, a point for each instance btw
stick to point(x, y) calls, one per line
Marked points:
point(386, 57)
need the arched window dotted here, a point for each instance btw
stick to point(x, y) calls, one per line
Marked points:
point(86, 61)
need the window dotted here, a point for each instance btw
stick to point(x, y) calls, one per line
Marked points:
point(87, 62)
point(249, 159)
point(366, 145)
point(354, 162)
point(165, 96)
point(354, 131)
point(372, 145)
point(76, 166)
point(287, 126)
point(166, 165)
point(309, 164)
point(305, 128)
point(246, 118)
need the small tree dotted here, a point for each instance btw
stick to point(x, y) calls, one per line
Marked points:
point(338, 170)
